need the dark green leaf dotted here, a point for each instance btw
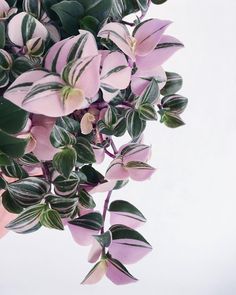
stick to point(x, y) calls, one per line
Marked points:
point(105, 239)
point(90, 23)
point(147, 112)
point(171, 120)
point(100, 9)
point(126, 209)
point(85, 153)
point(86, 200)
point(92, 221)
point(5, 160)
point(174, 103)
point(92, 175)
point(65, 161)
point(8, 111)
point(158, 1)
point(14, 171)
point(66, 187)
point(10, 204)
point(21, 65)
point(60, 137)
point(28, 191)
point(64, 206)
point(12, 146)
point(68, 124)
point(2, 35)
point(135, 125)
point(69, 13)
point(173, 85)
point(2, 183)
point(28, 220)
point(150, 94)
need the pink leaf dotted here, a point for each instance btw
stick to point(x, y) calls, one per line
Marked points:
point(96, 274)
point(148, 34)
point(95, 251)
point(118, 34)
point(117, 170)
point(164, 50)
point(81, 235)
point(118, 274)
point(5, 218)
point(136, 152)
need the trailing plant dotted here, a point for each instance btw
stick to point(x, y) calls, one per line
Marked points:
point(75, 76)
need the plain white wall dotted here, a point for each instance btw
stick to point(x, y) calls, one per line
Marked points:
point(190, 203)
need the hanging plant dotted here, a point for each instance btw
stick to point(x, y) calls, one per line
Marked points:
point(74, 77)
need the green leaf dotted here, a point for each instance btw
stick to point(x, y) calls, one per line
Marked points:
point(29, 160)
point(150, 94)
point(138, 165)
point(135, 125)
point(92, 221)
point(65, 161)
point(28, 191)
point(100, 9)
point(2, 35)
point(14, 171)
point(69, 13)
point(12, 146)
point(173, 85)
point(147, 112)
point(64, 206)
point(21, 65)
point(85, 153)
point(4, 78)
point(60, 137)
point(174, 103)
point(68, 124)
point(124, 208)
point(171, 120)
point(8, 111)
point(121, 8)
point(110, 117)
point(86, 200)
point(28, 220)
point(105, 239)
point(93, 176)
point(5, 160)
point(2, 183)
point(10, 204)
point(66, 187)
point(104, 128)
point(33, 7)
point(51, 218)
point(124, 232)
point(120, 184)
point(90, 23)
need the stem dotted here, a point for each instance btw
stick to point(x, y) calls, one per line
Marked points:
point(109, 154)
point(114, 147)
point(127, 23)
point(105, 207)
point(46, 171)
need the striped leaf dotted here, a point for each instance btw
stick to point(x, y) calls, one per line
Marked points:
point(121, 8)
point(85, 153)
point(4, 78)
point(15, 171)
point(21, 65)
point(118, 273)
point(68, 124)
point(171, 120)
point(111, 116)
point(29, 160)
point(65, 161)
point(86, 200)
point(150, 94)
point(147, 112)
point(10, 204)
point(125, 209)
point(33, 7)
point(174, 103)
point(100, 9)
point(173, 85)
point(51, 218)
point(5, 160)
point(12, 146)
point(28, 220)
point(60, 137)
point(135, 125)
point(5, 60)
point(91, 221)
point(23, 27)
point(64, 206)
point(66, 187)
point(96, 273)
point(128, 245)
point(35, 47)
point(28, 191)
point(2, 183)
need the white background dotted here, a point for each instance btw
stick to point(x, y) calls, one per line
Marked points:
point(190, 203)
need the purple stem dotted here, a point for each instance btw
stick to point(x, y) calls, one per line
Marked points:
point(105, 207)
point(114, 147)
point(109, 154)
